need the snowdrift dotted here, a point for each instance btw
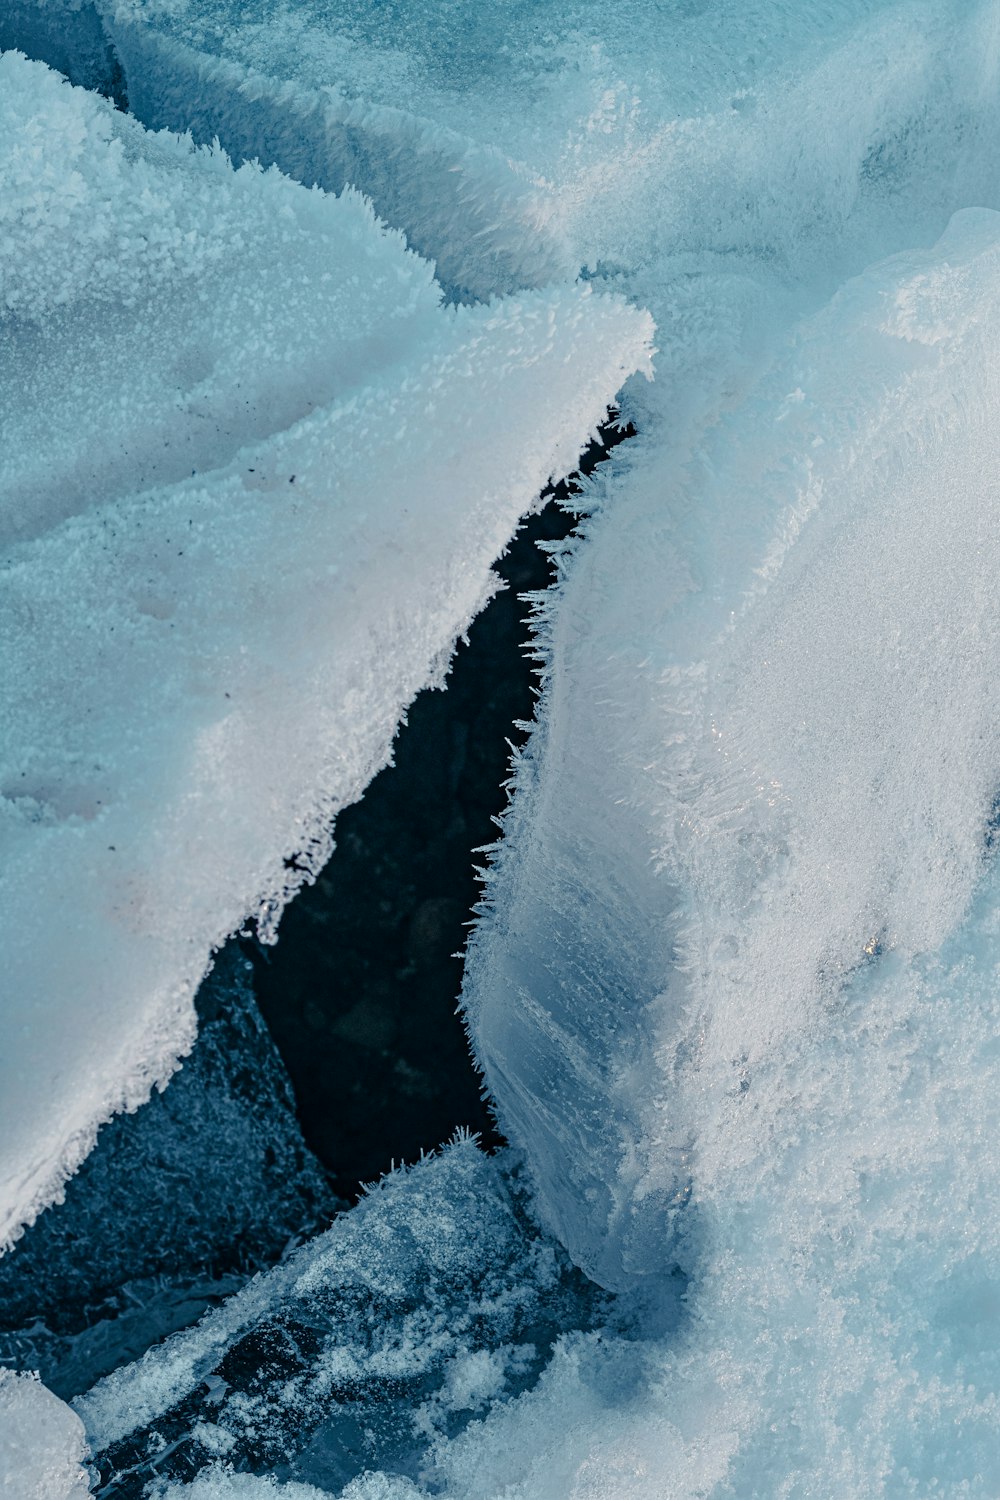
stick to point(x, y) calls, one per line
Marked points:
point(729, 808)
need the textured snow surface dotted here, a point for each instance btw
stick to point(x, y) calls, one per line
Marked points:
point(811, 631)
point(736, 984)
point(516, 143)
point(220, 1484)
point(254, 476)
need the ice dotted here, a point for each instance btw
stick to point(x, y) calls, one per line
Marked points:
point(250, 501)
point(69, 37)
point(780, 737)
point(734, 986)
point(516, 144)
point(841, 1317)
point(42, 1445)
point(433, 1298)
point(176, 1206)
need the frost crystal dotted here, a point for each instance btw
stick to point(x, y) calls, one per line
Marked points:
point(734, 984)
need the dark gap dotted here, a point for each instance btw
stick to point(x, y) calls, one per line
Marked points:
point(360, 991)
point(174, 1209)
point(74, 44)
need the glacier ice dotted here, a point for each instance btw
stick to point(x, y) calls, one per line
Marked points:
point(250, 502)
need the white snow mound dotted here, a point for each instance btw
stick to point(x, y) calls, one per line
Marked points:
point(767, 760)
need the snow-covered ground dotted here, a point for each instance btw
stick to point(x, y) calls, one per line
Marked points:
point(735, 983)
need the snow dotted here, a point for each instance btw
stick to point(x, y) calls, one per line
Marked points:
point(820, 585)
point(735, 983)
point(249, 504)
point(516, 145)
point(840, 1332)
point(431, 1298)
point(42, 1445)
point(225, 1485)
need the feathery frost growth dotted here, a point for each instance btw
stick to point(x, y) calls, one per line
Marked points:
point(254, 478)
point(734, 985)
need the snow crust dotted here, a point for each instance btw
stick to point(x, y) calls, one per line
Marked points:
point(249, 502)
point(42, 1444)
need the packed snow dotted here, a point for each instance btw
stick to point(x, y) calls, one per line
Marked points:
point(734, 985)
point(250, 503)
point(42, 1443)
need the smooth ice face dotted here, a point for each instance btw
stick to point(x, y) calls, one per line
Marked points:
point(253, 479)
point(765, 760)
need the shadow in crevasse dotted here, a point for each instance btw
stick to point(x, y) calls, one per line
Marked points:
point(70, 39)
point(211, 1180)
point(360, 991)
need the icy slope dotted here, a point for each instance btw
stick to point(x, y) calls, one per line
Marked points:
point(253, 479)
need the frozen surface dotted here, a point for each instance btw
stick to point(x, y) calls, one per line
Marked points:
point(430, 1300)
point(42, 1445)
point(225, 1485)
point(253, 478)
point(735, 987)
point(785, 729)
point(176, 1206)
point(221, 1484)
point(842, 1313)
point(516, 144)
point(69, 37)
